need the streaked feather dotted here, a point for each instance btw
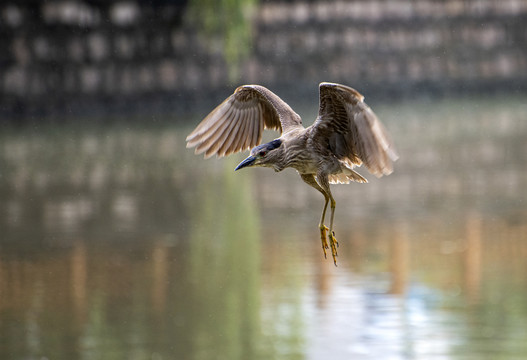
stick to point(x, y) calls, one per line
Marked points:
point(238, 122)
point(352, 130)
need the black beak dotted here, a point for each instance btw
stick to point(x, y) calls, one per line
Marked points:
point(247, 162)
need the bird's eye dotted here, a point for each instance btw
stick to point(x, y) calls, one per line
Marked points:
point(262, 153)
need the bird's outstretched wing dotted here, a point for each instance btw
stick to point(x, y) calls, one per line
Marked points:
point(238, 122)
point(351, 129)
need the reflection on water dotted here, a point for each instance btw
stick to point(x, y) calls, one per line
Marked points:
point(117, 242)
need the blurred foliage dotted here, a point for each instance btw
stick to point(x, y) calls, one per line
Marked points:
point(226, 21)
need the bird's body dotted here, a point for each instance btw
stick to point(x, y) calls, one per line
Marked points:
point(320, 160)
point(345, 134)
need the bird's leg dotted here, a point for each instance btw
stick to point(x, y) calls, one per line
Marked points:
point(311, 181)
point(323, 181)
point(323, 228)
point(332, 240)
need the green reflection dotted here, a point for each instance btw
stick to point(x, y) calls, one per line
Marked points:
point(224, 264)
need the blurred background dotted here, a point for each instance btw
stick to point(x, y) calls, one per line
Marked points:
point(117, 242)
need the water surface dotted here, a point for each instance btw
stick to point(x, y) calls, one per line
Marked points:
point(119, 243)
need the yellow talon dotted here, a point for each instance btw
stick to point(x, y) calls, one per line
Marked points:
point(334, 245)
point(323, 234)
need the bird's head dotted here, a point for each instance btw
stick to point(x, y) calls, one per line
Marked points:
point(267, 155)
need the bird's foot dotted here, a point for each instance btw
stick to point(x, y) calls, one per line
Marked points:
point(334, 245)
point(323, 237)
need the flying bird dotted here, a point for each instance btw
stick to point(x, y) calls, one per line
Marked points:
point(345, 135)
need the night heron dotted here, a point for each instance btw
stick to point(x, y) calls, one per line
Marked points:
point(345, 134)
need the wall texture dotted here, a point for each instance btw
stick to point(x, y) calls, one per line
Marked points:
point(76, 57)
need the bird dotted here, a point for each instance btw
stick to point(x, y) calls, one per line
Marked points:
point(346, 134)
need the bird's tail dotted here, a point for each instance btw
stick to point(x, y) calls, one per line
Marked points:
point(346, 176)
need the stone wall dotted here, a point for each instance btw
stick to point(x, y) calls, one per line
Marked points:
point(73, 57)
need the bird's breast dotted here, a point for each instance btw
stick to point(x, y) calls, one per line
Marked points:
point(302, 155)
point(304, 162)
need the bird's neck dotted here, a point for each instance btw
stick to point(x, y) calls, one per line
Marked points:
point(280, 165)
point(296, 154)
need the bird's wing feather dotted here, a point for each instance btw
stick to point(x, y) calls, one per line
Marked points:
point(238, 122)
point(351, 129)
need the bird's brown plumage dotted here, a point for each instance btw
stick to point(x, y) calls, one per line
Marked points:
point(348, 126)
point(238, 122)
point(352, 130)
